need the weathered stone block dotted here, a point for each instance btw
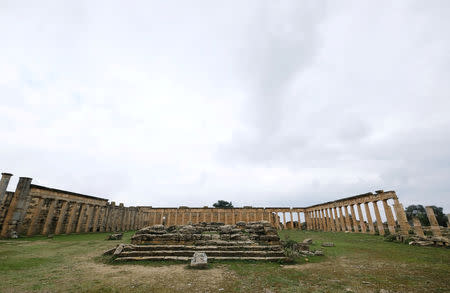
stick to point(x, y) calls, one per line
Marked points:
point(199, 260)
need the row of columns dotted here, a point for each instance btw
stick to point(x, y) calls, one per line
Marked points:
point(68, 216)
point(60, 216)
point(344, 217)
point(183, 216)
point(282, 223)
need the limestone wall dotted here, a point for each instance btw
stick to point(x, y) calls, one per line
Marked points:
point(34, 210)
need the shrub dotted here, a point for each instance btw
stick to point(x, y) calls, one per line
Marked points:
point(390, 238)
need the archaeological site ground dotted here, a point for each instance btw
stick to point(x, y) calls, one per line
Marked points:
point(56, 241)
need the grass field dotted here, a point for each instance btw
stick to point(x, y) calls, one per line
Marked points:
point(358, 263)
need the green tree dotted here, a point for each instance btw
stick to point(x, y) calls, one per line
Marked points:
point(420, 212)
point(223, 204)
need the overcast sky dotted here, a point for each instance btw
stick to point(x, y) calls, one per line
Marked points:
point(263, 103)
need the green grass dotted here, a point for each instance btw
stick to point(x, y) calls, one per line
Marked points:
point(361, 263)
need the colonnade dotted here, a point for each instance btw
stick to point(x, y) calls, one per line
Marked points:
point(347, 214)
point(34, 209)
point(186, 215)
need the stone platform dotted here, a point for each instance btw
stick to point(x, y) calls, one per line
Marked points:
point(243, 241)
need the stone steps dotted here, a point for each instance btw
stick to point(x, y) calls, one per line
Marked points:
point(186, 258)
point(204, 248)
point(209, 253)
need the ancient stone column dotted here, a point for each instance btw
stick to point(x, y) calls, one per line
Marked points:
point(35, 217)
point(130, 218)
point(62, 216)
point(307, 220)
point(176, 217)
point(284, 220)
point(325, 220)
point(133, 218)
point(169, 218)
point(418, 227)
point(361, 219)
point(326, 224)
point(154, 218)
point(378, 217)
point(49, 218)
point(218, 216)
point(111, 217)
point(299, 222)
point(70, 222)
point(4, 181)
point(318, 220)
point(128, 214)
point(124, 218)
point(433, 222)
point(369, 218)
point(17, 208)
point(80, 221)
point(347, 219)
point(105, 218)
point(90, 214)
point(97, 217)
point(336, 219)
point(342, 219)
point(330, 216)
point(401, 217)
point(355, 222)
point(120, 217)
point(292, 219)
point(389, 216)
point(322, 220)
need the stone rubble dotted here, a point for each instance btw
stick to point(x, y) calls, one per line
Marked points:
point(117, 236)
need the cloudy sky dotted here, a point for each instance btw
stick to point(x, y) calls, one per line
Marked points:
point(264, 103)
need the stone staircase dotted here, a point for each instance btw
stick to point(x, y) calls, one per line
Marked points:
point(253, 241)
point(185, 252)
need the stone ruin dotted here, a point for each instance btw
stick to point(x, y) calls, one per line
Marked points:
point(242, 241)
point(39, 210)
